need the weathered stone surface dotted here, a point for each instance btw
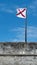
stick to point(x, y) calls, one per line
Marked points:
point(17, 48)
point(18, 60)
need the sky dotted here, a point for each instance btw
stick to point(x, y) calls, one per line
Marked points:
point(12, 28)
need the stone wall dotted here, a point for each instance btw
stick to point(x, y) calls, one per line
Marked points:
point(15, 47)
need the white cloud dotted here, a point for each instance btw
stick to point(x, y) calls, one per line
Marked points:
point(20, 34)
point(18, 29)
point(7, 10)
point(1, 4)
point(31, 33)
point(33, 8)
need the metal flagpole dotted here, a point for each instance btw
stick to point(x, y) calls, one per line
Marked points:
point(26, 28)
point(26, 31)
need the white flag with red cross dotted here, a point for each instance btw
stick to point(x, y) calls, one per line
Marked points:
point(21, 12)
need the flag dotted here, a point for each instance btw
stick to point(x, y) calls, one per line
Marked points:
point(21, 12)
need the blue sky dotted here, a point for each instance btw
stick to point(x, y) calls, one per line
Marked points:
point(12, 28)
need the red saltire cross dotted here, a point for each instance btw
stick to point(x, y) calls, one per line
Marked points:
point(21, 12)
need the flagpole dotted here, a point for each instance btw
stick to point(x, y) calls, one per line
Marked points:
point(26, 28)
point(26, 31)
